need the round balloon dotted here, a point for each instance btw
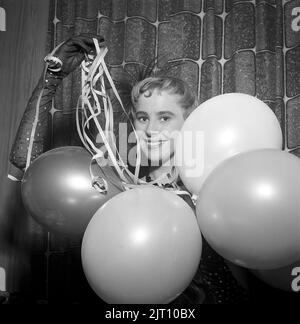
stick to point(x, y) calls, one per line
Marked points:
point(58, 193)
point(142, 246)
point(248, 209)
point(219, 128)
point(286, 278)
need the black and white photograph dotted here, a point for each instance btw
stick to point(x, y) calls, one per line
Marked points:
point(150, 155)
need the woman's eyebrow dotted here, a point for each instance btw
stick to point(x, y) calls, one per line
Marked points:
point(141, 112)
point(165, 112)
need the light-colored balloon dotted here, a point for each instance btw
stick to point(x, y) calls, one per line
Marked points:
point(222, 127)
point(142, 247)
point(249, 209)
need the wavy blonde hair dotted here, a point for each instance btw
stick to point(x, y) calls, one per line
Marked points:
point(188, 100)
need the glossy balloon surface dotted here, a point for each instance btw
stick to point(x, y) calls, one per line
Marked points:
point(143, 246)
point(249, 209)
point(57, 189)
point(222, 127)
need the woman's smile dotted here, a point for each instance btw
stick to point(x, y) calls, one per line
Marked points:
point(156, 119)
point(154, 145)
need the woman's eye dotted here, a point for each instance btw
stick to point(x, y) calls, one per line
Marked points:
point(142, 119)
point(165, 118)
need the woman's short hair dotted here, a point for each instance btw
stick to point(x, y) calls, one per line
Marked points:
point(188, 100)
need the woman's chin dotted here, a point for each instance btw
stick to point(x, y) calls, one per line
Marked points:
point(156, 160)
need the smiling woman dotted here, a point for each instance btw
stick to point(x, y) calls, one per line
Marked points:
point(160, 107)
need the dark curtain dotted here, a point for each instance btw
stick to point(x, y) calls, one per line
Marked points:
point(223, 45)
point(22, 49)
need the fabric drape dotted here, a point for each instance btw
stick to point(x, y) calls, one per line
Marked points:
point(22, 49)
point(223, 46)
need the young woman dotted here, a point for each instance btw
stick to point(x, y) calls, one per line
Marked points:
point(160, 107)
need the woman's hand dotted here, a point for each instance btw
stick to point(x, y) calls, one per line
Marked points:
point(71, 53)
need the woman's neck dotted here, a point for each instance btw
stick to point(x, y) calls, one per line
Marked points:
point(161, 171)
point(158, 172)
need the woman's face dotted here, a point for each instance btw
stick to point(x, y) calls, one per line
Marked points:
point(157, 119)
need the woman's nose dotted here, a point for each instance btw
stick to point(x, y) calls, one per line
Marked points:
point(152, 129)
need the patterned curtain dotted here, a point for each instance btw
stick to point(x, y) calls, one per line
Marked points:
point(224, 46)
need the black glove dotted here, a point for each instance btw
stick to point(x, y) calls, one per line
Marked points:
point(71, 53)
point(63, 61)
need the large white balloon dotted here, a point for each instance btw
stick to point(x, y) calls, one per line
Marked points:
point(222, 127)
point(249, 209)
point(143, 247)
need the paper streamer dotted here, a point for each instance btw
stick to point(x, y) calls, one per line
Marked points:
point(93, 74)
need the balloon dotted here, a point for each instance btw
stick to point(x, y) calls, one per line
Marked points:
point(57, 189)
point(249, 209)
point(286, 278)
point(142, 246)
point(222, 127)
